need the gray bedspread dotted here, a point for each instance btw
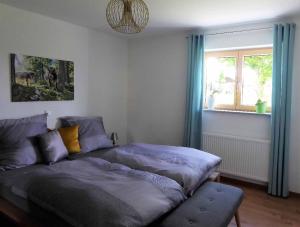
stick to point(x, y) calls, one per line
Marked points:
point(94, 192)
point(189, 167)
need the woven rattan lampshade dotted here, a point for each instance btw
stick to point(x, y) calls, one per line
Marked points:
point(127, 16)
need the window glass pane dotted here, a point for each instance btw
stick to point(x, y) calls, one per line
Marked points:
point(257, 79)
point(221, 79)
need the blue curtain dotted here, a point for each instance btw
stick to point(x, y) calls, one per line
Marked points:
point(283, 51)
point(194, 101)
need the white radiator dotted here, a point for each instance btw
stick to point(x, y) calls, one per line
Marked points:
point(241, 157)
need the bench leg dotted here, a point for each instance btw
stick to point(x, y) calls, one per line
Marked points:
point(237, 219)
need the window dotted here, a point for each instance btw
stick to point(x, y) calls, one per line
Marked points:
point(236, 80)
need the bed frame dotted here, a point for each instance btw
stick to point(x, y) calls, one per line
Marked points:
point(15, 215)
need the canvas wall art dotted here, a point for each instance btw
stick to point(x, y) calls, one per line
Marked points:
point(41, 79)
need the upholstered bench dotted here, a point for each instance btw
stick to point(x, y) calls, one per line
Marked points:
point(212, 205)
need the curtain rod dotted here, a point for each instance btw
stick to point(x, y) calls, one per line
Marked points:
point(238, 31)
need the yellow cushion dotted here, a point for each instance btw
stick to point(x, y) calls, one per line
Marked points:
point(70, 137)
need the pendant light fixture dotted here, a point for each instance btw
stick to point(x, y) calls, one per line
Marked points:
point(127, 16)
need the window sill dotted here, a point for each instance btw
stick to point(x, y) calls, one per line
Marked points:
point(236, 112)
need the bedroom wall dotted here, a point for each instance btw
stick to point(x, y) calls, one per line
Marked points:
point(295, 127)
point(157, 86)
point(156, 97)
point(107, 93)
point(100, 67)
point(156, 89)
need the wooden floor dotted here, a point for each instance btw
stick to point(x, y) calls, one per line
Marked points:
point(261, 210)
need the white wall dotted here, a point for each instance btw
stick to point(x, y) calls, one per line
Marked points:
point(295, 127)
point(217, 39)
point(156, 89)
point(157, 86)
point(100, 63)
point(108, 69)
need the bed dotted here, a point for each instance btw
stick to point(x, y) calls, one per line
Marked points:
point(188, 167)
point(99, 193)
point(21, 186)
point(131, 185)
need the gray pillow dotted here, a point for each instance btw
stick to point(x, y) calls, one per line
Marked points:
point(18, 144)
point(52, 147)
point(92, 135)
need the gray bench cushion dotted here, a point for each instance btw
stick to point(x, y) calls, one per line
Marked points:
point(213, 205)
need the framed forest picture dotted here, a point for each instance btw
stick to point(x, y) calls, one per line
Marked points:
point(41, 79)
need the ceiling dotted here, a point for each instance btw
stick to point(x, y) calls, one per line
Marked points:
point(165, 15)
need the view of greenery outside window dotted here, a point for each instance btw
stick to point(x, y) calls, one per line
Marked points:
point(238, 80)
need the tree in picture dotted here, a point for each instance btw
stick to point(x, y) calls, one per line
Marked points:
point(41, 79)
